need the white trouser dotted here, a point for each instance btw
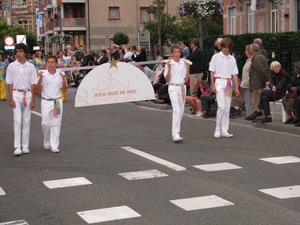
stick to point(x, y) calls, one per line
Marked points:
point(50, 123)
point(21, 119)
point(224, 103)
point(178, 102)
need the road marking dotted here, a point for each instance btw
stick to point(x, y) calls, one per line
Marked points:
point(2, 191)
point(146, 174)
point(163, 162)
point(17, 222)
point(36, 113)
point(108, 214)
point(205, 202)
point(281, 160)
point(283, 192)
point(217, 167)
point(70, 182)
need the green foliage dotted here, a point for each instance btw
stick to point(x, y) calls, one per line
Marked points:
point(286, 47)
point(16, 30)
point(120, 38)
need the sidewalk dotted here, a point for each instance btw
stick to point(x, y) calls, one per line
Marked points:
point(275, 125)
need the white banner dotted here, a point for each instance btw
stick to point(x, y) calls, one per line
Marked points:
point(253, 5)
point(113, 82)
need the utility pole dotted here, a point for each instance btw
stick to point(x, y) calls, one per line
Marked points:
point(158, 25)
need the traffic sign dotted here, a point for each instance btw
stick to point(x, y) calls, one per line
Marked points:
point(6, 47)
point(21, 39)
point(9, 40)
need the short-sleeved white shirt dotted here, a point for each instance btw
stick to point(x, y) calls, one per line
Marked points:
point(52, 85)
point(21, 76)
point(224, 66)
point(178, 72)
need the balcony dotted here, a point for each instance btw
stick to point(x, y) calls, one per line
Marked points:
point(68, 24)
point(42, 31)
point(48, 4)
point(41, 9)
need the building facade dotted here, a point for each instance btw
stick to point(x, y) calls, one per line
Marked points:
point(269, 16)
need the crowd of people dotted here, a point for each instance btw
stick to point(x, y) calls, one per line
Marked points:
point(175, 81)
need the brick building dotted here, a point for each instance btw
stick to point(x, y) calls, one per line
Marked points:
point(269, 16)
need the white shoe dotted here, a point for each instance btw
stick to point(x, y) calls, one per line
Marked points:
point(25, 150)
point(227, 135)
point(17, 151)
point(217, 135)
point(47, 146)
point(178, 139)
point(55, 150)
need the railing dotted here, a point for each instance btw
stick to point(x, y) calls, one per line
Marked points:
point(41, 7)
point(42, 30)
point(70, 22)
point(47, 2)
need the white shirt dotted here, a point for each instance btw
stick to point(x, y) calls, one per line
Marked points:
point(178, 72)
point(223, 66)
point(149, 73)
point(128, 55)
point(52, 85)
point(21, 76)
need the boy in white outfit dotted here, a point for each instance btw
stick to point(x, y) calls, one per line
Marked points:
point(21, 78)
point(223, 69)
point(176, 73)
point(51, 83)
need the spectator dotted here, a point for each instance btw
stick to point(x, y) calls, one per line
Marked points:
point(196, 57)
point(39, 61)
point(194, 99)
point(121, 53)
point(218, 44)
point(259, 74)
point(103, 58)
point(149, 73)
point(158, 66)
point(114, 52)
point(2, 79)
point(276, 89)
point(292, 98)
point(128, 54)
point(134, 53)
point(62, 63)
point(262, 49)
point(142, 57)
point(185, 49)
point(245, 83)
point(108, 53)
point(159, 79)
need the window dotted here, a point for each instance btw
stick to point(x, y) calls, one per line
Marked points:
point(20, 2)
point(250, 20)
point(232, 20)
point(145, 16)
point(23, 23)
point(114, 13)
point(40, 2)
point(273, 18)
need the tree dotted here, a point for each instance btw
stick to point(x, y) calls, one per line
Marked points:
point(9, 31)
point(120, 38)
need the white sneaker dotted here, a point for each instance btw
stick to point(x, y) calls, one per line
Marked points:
point(217, 135)
point(17, 151)
point(55, 150)
point(25, 150)
point(47, 146)
point(178, 139)
point(227, 135)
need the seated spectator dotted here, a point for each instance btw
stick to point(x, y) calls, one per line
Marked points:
point(292, 97)
point(158, 73)
point(102, 57)
point(149, 73)
point(194, 99)
point(276, 89)
point(162, 95)
point(158, 66)
point(206, 102)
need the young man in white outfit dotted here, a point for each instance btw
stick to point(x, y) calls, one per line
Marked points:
point(222, 69)
point(51, 83)
point(21, 78)
point(176, 73)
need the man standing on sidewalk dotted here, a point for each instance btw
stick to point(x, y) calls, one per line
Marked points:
point(196, 57)
point(21, 78)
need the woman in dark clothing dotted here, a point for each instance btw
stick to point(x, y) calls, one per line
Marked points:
point(140, 57)
point(292, 98)
point(276, 90)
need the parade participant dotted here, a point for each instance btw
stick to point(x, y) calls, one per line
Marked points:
point(2, 79)
point(21, 78)
point(62, 63)
point(51, 83)
point(176, 73)
point(39, 61)
point(222, 69)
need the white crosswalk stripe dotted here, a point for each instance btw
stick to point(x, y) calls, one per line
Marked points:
point(17, 222)
point(69, 182)
point(282, 160)
point(217, 167)
point(283, 192)
point(2, 192)
point(146, 174)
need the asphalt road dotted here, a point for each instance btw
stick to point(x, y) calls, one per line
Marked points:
point(92, 147)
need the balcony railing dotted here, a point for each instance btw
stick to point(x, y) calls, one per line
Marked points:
point(41, 8)
point(66, 23)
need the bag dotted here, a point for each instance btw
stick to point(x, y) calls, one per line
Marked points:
point(291, 95)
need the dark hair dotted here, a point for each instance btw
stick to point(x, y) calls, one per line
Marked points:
point(186, 43)
point(103, 51)
point(195, 42)
point(143, 50)
point(22, 46)
point(52, 57)
point(133, 47)
point(95, 63)
point(226, 42)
